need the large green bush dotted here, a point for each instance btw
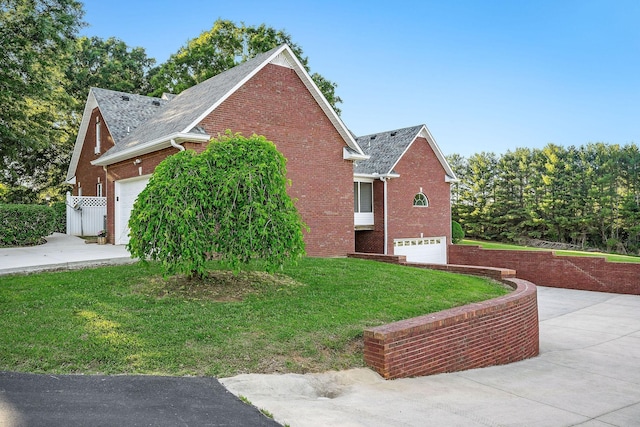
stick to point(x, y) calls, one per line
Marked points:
point(229, 201)
point(25, 225)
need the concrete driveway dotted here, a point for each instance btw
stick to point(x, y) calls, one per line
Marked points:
point(587, 374)
point(60, 252)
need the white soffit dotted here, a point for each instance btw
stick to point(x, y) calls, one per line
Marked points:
point(282, 61)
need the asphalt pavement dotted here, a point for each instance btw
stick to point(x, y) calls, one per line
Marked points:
point(30, 400)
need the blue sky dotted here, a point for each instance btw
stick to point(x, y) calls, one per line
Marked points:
point(482, 75)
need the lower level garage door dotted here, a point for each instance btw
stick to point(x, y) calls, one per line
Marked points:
point(126, 192)
point(428, 250)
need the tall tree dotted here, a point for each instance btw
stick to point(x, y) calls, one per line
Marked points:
point(36, 37)
point(108, 64)
point(479, 195)
point(588, 196)
point(221, 48)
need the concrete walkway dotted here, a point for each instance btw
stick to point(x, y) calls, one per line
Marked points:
point(587, 374)
point(59, 253)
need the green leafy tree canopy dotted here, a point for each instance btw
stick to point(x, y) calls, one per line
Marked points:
point(221, 48)
point(36, 39)
point(230, 201)
point(109, 64)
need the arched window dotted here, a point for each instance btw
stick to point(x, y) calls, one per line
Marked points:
point(420, 200)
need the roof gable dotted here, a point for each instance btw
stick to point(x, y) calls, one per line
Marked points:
point(183, 114)
point(387, 148)
point(122, 113)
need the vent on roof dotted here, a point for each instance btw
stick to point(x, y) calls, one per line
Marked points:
point(373, 137)
point(394, 133)
point(125, 98)
point(156, 103)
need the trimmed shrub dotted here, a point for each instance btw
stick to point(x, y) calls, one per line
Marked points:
point(25, 225)
point(60, 217)
point(457, 233)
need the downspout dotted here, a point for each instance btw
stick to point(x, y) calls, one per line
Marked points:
point(176, 145)
point(386, 234)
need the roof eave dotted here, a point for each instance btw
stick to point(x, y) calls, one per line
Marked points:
point(150, 147)
point(350, 155)
point(376, 175)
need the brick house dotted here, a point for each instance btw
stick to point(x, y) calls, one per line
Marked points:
point(402, 196)
point(123, 137)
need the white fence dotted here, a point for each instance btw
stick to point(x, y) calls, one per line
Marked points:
point(86, 215)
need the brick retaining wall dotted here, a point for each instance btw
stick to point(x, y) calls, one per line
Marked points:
point(545, 268)
point(494, 332)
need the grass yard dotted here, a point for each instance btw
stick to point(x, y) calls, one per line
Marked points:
point(512, 247)
point(127, 319)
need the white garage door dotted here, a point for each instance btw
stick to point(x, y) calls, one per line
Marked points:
point(428, 250)
point(126, 192)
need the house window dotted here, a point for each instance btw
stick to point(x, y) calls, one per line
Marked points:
point(99, 190)
point(363, 197)
point(420, 200)
point(97, 149)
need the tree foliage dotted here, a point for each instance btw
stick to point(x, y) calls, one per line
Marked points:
point(221, 48)
point(587, 196)
point(36, 38)
point(46, 72)
point(109, 64)
point(229, 201)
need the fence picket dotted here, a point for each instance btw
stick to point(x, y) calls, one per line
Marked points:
point(86, 216)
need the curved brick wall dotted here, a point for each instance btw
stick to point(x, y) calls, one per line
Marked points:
point(493, 332)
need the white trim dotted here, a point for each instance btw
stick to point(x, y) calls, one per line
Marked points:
point(284, 53)
point(82, 133)
point(375, 175)
point(349, 155)
point(450, 176)
point(282, 61)
point(149, 147)
point(97, 148)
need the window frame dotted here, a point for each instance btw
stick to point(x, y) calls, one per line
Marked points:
point(423, 197)
point(357, 197)
point(98, 136)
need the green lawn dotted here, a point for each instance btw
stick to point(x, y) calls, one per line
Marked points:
point(127, 319)
point(511, 247)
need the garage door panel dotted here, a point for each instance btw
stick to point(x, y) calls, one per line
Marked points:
point(427, 250)
point(126, 192)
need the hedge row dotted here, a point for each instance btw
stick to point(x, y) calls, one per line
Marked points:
point(25, 225)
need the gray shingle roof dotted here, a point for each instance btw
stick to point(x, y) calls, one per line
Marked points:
point(124, 112)
point(385, 149)
point(184, 109)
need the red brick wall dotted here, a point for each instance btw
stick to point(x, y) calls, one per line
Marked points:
point(419, 167)
point(275, 103)
point(548, 269)
point(499, 274)
point(127, 169)
point(86, 174)
point(494, 332)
